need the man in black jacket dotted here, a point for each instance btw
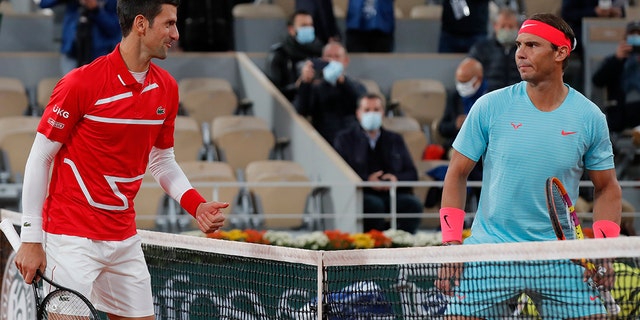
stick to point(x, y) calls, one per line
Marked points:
point(497, 52)
point(376, 154)
point(326, 94)
point(285, 58)
point(620, 74)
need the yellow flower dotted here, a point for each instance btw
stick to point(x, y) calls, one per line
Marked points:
point(236, 235)
point(362, 241)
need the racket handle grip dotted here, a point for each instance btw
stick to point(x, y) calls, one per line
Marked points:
point(11, 234)
point(609, 303)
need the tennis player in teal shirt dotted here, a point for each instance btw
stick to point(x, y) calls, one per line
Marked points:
point(525, 133)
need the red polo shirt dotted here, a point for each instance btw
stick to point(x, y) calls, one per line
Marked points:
point(107, 123)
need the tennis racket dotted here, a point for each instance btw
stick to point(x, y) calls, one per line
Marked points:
point(60, 303)
point(566, 225)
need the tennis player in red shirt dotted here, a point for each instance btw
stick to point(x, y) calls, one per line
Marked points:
point(105, 123)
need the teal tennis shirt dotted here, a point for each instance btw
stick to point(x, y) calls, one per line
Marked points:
point(521, 147)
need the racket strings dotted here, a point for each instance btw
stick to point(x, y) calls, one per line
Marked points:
point(562, 212)
point(65, 305)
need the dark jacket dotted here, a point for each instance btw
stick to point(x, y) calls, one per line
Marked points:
point(353, 146)
point(573, 11)
point(476, 23)
point(498, 63)
point(324, 21)
point(331, 108)
point(609, 76)
point(384, 19)
point(284, 60)
point(105, 29)
point(621, 115)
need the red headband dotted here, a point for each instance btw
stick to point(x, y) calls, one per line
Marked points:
point(546, 32)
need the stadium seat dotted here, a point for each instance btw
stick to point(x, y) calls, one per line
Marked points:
point(44, 90)
point(271, 200)
point(213, 171)
point(259, 10)
point(242, 139)
point(206, 98)
point(373, 87)
point(13, 97)
point(188, 143)
point(16, 137)
point(288, 6)
point(411, 132)
point(202, 83)
point(426, 11)
point(542, 6)
point(340, 8)
point(405, 7)
point(150, 203)
point(422, 99)
point(206, 105)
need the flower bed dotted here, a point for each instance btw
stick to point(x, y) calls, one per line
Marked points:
point(333, 239)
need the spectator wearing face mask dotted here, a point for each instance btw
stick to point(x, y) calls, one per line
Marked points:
point(326, 94)
point(376, 155)
point(619, 73)
point(470, 85)
point(497, 52)
point(324, 21)
point(285, 58)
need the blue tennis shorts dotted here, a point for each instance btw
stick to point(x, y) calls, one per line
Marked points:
point(492, 290)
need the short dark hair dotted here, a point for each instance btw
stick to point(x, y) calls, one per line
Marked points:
point(558, 23)
point(371, 95)
point(129, 9)
point(298, 12)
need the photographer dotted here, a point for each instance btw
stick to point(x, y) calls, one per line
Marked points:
point(326, 94)
point(620, 74)
point(89, 29)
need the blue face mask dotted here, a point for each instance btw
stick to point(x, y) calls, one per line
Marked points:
point(332, 72)
point(371, 121)
point(305, 35)
point(634, 40)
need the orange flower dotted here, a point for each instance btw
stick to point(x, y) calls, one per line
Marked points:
point(338, 240)
point(380, 240)
point(255, 236)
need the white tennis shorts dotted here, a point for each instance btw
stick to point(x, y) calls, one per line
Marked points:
point(112, 274)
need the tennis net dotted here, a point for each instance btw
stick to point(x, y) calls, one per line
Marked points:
point(200, 278)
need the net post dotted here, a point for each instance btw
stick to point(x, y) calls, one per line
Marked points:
point(320, 286)
point(394, 206)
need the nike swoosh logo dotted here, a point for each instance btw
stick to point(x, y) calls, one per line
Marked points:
point(603, 235)
point(446, 220)
point(592, 298)
point(461, 297)
point(528, 25)
point(566, 133)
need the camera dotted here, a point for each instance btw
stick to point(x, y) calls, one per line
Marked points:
point(318, 65)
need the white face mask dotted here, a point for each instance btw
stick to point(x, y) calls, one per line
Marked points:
point(371, 121)
point(332, 72)
point(507, 36)
point(467, 89)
